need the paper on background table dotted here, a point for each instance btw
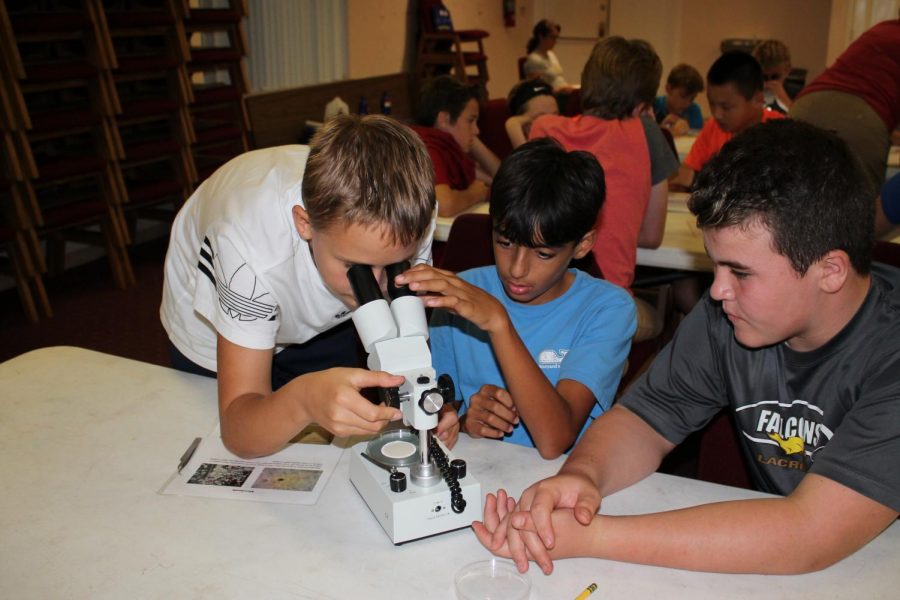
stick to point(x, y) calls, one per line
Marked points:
point(295, 475)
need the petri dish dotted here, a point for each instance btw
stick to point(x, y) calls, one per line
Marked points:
point(398, 449)
point(492, 579)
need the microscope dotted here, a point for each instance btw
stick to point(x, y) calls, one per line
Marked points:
point(410, 481)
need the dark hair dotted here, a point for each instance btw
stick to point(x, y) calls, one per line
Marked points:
point(685, 77)
point(443, 93)
point(619, 75)
point(524, 91)
point(739, 68)
point(369, 170)
point(545, 196)
point(800, 182)
point(543, 28)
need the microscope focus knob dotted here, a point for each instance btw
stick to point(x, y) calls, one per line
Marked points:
point(446, 387)
point(390, 396)
point(458, 466)
point(431, 402)
point(398, 481)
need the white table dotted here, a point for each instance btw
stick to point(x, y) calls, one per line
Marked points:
point(684, 143)
point(88, 439)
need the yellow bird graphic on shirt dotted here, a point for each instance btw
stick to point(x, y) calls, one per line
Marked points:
point(792, 445)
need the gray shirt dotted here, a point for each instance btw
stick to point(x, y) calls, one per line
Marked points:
point(663, 161)
point(834, 411)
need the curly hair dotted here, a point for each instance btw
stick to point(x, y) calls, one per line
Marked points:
point(800, 182)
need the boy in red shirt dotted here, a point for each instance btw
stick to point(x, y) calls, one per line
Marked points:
point(736, 101)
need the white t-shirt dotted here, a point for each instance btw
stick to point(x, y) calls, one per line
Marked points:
point(236, 264)
point(549, 68)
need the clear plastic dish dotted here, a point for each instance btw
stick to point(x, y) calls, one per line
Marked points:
point(492, 579)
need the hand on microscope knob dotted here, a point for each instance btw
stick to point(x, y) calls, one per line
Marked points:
point(491, 413)
point(443, 289)
point(448, 426)
point(331, 398)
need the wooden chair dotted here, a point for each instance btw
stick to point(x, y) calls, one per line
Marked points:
point(220, 80)
point(492, 127)
point(521, 64)
point(469, 243)
point(443, 49)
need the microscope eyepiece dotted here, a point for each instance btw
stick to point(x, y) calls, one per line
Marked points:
point(395, 291)
point(363, 283)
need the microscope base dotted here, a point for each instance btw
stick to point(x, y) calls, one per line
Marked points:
point(418, 511)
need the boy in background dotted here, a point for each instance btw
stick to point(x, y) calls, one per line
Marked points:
point(536, 348)
point(798, 339)
point(677, 111)
point(447, 121)
point(256, 290)
point(527, 101)
point(735, 93)
point(618, 83)
point(775, 60)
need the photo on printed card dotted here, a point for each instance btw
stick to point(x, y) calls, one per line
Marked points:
point(220, 475)
point(294, 480)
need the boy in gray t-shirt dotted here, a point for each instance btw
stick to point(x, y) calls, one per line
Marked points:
point(798, 337)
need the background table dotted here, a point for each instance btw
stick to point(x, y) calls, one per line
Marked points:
point(681, 247)
point(88, 440)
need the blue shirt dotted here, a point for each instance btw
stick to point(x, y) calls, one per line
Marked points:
point(692, 115)
point(583, 335)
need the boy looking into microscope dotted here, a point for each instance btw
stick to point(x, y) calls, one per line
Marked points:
point(536, 348)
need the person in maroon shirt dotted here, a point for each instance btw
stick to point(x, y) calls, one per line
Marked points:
point(858, 97)
point(447, 121)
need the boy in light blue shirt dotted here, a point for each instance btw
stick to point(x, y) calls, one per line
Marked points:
point(676, 110)
point(536, 348)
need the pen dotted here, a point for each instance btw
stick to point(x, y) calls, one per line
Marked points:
point(188, 454)
point(587, 592)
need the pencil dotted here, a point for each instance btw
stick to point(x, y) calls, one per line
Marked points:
point(587, 592)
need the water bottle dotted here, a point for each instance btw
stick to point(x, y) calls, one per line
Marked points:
point(363, 106)
point(386, 104)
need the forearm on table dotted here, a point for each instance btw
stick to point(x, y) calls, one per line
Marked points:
point(617, 450)
point(452, 202)
point(551, 421)
point(683, 178)
point(764, 536)
point(485, 157)
point(255, 425)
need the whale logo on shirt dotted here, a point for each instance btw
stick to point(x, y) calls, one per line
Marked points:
point(551, 359)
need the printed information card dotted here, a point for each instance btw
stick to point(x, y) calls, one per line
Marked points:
point(295, 475)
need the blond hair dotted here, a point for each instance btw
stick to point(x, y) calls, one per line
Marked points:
point(368, 171)
point(771, 53)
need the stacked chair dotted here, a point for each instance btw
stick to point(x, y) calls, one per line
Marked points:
point(111, 112)
point(154, 89)
point(20, 254)
point(218, 74)
point(68, 142)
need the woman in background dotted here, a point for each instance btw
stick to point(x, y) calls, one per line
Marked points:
point(541, 61)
